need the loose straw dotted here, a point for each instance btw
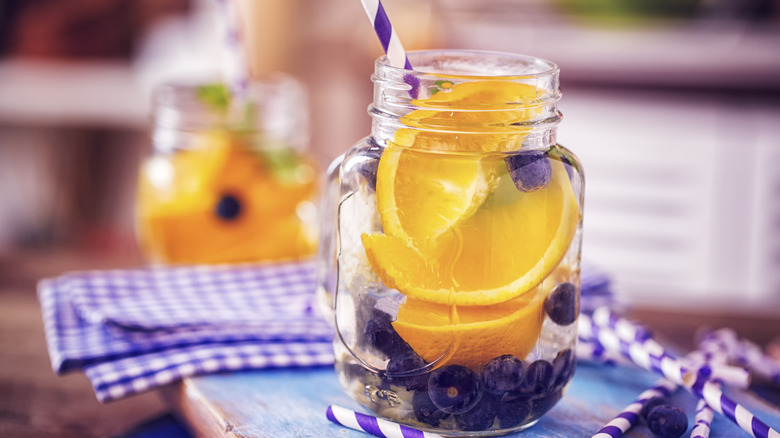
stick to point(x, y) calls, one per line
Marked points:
point(674, 371)
point(629, 416)
point(373, 425)
point(667, 366)
point(722, 404)
point(702, 420)
point(386, 33)
point(743, 351)
point(236, 66)
point(650, 354)
point(591, 351)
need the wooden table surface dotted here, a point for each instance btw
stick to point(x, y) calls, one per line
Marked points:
point(34, 402)
point(292, 403)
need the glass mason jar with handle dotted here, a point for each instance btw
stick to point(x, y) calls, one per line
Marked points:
point(457, 246)
point(228, 180)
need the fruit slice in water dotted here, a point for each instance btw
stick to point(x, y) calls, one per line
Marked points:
point(505, 248)
point(183, 218)
point(470, 335)
point(417, 210)
point(477, 116)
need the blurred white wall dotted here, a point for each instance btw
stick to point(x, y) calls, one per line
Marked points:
point(675, 120)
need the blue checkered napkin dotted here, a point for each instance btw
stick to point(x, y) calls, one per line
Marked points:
point(120, 378)
point(164, 298)
point(86, 327)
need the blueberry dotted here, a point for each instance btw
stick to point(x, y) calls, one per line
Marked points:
point(381, 335)
point(425, 410)
point(401, 371)
point(667, 421)
point(502, 374)
point(539, 378)
point(650, 404)
point(530, 170)
point(481, 416)
point(228, 207)
point(540, 406)
point(513, 411)
point(562, 306)
point(454, 389)
point(563, 366)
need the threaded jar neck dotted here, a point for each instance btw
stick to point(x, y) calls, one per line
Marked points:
point(468, 94)
point(275, 109)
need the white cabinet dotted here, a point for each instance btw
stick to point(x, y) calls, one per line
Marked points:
point(682, 199)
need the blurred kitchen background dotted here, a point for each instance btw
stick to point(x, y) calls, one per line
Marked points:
point(672, 105)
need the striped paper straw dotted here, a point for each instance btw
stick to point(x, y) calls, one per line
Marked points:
point(672, 369)
point(386, 33)
point(590, 351)
point(722, 404)
point(236, 66)
point(636, 341)
point(702, 421)
point(626, 329)
point(742, 351)
point(373, 425)
point(667, 366)
point(629, 416)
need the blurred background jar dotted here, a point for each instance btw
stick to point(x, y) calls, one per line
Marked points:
point(228, 180)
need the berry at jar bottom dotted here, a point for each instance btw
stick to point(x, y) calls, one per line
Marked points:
point(481, 416)
point(425, 411)
point(454, 389)
point(381, 335)
point(502, 374)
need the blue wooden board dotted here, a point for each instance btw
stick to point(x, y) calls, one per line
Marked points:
point(292, 403)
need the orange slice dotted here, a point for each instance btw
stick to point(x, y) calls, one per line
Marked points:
point(478, 116)
point(470, 335)
point(506, 248)
point(417, 210)
point(177, 220)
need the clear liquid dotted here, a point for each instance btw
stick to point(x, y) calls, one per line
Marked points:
point(465, 302)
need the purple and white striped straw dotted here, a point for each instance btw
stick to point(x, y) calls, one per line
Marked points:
point(742, 351)
point(236, 68)
point(630, 415)
point(665, 365)
point(702, 421)
point(722, 404)
point(373, 425)
point(591, 351)
point(386, 33)
point(701, 386)
point(648, 353)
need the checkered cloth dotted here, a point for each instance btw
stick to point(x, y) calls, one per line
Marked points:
point(134, 330)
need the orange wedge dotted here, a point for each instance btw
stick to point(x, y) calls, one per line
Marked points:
point(504, 249)
point(470, 335)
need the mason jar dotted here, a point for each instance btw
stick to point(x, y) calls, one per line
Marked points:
point(228, 179)
point(455, 246)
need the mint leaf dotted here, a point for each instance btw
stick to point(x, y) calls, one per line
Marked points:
point(216, 96)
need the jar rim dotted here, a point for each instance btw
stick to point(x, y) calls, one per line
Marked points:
point(501, 67)
point(180, 93)
point(274, 108)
